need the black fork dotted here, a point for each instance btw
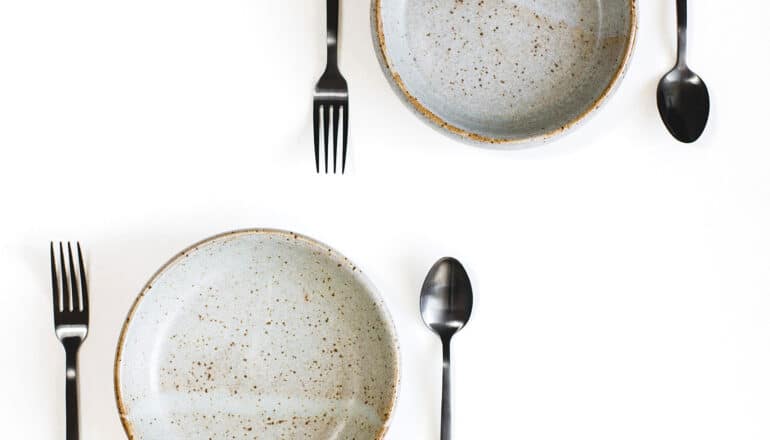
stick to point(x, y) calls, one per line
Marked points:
point(330, 97)
point(70, 316)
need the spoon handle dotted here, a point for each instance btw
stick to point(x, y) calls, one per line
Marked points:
point(446, 395)
point(681, 13)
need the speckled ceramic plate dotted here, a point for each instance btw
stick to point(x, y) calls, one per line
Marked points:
point(257, 334)
point(504, 71)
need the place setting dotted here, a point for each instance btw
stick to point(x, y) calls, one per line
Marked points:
point(502, 74)
point(256, 333)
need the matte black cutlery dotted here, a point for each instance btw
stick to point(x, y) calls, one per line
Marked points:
point(683, 99)
point(330, 97)
point(70, 315)
point(446, 302)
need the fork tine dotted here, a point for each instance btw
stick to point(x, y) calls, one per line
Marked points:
point(55, 283)
point(316, 117)
point(345, 111)
point(335, 129)
point(66, 299)
point(83, 280)
point(73, 280)
point(326, 110)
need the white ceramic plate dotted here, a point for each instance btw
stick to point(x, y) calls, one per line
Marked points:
point(504, 71)
point(257, 334)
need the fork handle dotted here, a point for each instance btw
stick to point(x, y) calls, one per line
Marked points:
point(73, 419)
point(332, 31)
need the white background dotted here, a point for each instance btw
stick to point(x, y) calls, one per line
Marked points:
point(622, 278)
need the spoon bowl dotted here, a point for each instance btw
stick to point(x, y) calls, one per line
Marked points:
point(446, 299)
point(683, 103)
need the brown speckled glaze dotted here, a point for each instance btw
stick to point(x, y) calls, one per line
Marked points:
point(504, 71)
point(258, 334)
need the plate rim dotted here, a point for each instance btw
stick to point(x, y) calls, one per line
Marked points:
point(398, 85)
point(372, 290)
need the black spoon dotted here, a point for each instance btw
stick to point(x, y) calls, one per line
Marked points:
point(683, 99)
point(446, 302)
